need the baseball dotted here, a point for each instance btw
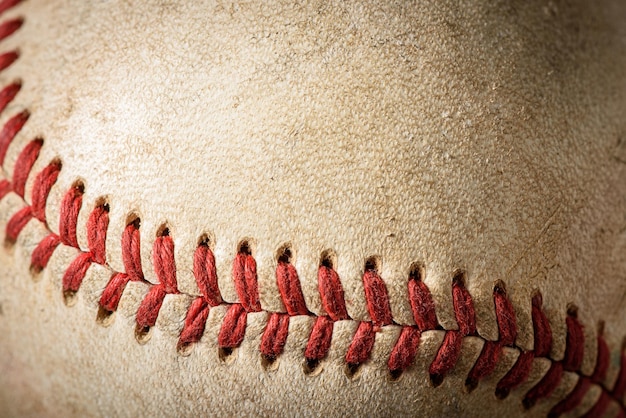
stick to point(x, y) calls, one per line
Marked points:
point(274, 208)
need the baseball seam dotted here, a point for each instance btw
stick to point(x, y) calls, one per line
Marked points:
point(233, 327)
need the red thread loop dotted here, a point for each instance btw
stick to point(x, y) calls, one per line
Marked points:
point(70, 207)
point(546, 385)
point(447, 356)
point(331, 293)
point(275, 336)
point(96, 238)
point(505, 315)
point(404, 351)
point(573, 399)
point(319, 341)
point(541, 327)
point(205, 272)
point(8, 94)
point(575, 345)
point(290, 289)
point(8, 58)
point(131, 251)
point(244, 274)
point(41, 189)
point(11, 128)
point(361, 347)
point(17, 223)
point(603, 359)
point(5, 188)
point(463, 306)
point(422, 305)
point(233, 327)
point(131, 257)
point(112, 293)
point(517, 375)
point(377, 299)
point(9, 27)
point(42, 253)
point(8, 4)
point(165, 269)
point(24, 164)
point(619, 389)
point(195, 322)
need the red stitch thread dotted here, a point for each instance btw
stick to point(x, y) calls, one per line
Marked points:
point(17, 223)
point(131, 257)
point(290, 289)
point(165, 269)
point(8, 94)
point(7, 4)
point(403, 353)
point(8, 58)
point(9, 27)
point(319, 341)
point(206, 278)
point(619, 389)
point(205, 272)
point(377, 299)
point(195, 322)
point(572, 400)
point(233, 327)
point(450, 349)
point(422, 304)
point(42, 253)
point(546, 385)
point(492, 350)
point(575, 345)
point(24, 164)
point(602, 361)
point(96, 238)
point(362, 344)
point(5, 188)
point(244, 274)
point(70, 207)
point(601, 406)
point(543, 344)
point(41, 189)
point(275, 336)
point(11, 128)
point(331, 293)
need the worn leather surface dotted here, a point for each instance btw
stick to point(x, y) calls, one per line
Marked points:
point(487, 137)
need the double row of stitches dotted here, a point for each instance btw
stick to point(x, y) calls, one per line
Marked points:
point(275, 334)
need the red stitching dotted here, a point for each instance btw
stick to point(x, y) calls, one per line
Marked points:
point(275, 335)
point(8, 4)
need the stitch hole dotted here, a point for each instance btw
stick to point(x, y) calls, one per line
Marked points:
point(206, 240)
point(134, 220)
point(373, 263)
point(104, 317)
point(227, 354)
point(69, 298)
point(184, 349)
point(352, 370)
point(459, 278)
point(328, 259)
point(142, 334)
point(163, 231)
point(572, 310)
point(471, 384)
point(269, 363)
point(436, 379)
point(312, 367)
point(394, 375)
point(246, 246)
point(416, 272)
point(285, 254)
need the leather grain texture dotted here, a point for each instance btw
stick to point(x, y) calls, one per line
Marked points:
point(487, 137)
